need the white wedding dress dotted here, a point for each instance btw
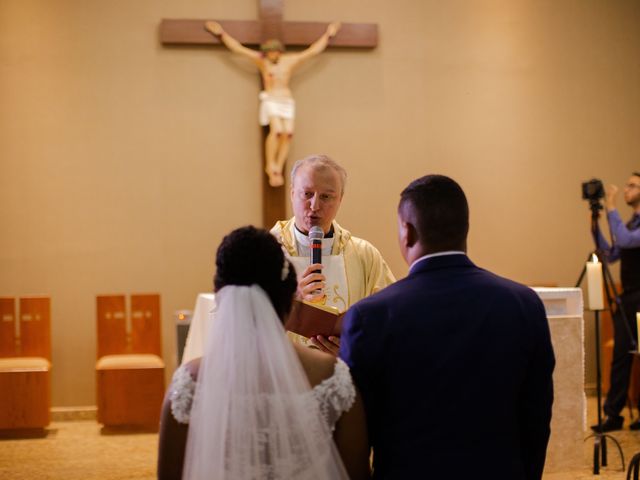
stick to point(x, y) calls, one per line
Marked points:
point(252, 414)
point(333, 396)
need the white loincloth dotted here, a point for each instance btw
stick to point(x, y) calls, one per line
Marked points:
point(275, 106)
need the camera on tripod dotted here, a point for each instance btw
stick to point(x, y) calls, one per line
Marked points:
point(593, 190)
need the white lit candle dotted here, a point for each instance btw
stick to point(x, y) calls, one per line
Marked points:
point(594, 283)
point(638, 324)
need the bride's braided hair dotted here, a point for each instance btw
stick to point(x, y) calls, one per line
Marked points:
point(249, 256)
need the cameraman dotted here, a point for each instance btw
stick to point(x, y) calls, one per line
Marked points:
point(626, 247)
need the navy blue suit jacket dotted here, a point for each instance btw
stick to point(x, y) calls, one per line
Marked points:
point(454, 366)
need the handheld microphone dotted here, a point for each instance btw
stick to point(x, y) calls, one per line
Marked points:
point(315, 236)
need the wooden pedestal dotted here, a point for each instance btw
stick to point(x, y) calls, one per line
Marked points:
point(129, 370)
point(25, 363)
point(24, 399)
point(129, 395)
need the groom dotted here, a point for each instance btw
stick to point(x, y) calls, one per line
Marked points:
point(453, 362)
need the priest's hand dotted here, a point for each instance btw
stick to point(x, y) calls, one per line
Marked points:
point(311, 283)
point(326, 344)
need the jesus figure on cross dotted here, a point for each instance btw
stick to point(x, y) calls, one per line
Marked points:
point(277, 106)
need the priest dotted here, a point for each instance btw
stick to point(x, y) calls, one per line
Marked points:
point(351, 267)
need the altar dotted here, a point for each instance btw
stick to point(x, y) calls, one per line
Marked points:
point(564, 310)
point(202, 316)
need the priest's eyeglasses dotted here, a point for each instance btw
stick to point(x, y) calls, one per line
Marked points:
point(322, 197)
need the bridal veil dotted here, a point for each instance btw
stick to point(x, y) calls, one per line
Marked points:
point(253, 416)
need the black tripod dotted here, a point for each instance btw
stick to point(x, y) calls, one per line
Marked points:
point(600, 438)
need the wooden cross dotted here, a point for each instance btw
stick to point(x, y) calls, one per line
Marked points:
point(254, 32)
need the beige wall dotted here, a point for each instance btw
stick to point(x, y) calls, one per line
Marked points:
point(122, 163)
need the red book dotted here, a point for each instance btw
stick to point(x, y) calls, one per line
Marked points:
point(310, 319)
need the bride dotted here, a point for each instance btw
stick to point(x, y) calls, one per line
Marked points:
point(256, 406)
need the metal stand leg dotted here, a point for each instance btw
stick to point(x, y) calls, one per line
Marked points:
point(634, 467)
point(600, 438)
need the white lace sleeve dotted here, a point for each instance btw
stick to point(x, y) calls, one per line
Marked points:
point(336, 394)
point(182, 389)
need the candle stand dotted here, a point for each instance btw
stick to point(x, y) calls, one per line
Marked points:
point(600, 438)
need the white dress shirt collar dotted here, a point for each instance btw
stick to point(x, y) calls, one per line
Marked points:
point(303, 243)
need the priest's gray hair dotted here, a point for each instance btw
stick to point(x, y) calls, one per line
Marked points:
point(318, 162)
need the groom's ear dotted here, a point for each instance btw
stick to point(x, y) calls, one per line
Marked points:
point(411, 235)
point(407, 236)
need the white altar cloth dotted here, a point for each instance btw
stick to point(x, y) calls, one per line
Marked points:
point(194, 345)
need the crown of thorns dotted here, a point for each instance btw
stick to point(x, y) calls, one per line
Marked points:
point(272, 45)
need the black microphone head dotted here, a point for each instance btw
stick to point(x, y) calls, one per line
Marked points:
point(316, 233)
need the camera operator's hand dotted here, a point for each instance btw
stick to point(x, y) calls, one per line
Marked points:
point(611, 192)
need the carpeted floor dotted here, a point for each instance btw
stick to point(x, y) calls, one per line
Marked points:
point(78, 450)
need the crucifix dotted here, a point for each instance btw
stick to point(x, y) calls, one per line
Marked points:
point(270, 26)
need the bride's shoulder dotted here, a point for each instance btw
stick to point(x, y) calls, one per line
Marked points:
point(335, 394)
point(193, 367)
point(318, 365)
point(181, 391)
point(339, 383)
